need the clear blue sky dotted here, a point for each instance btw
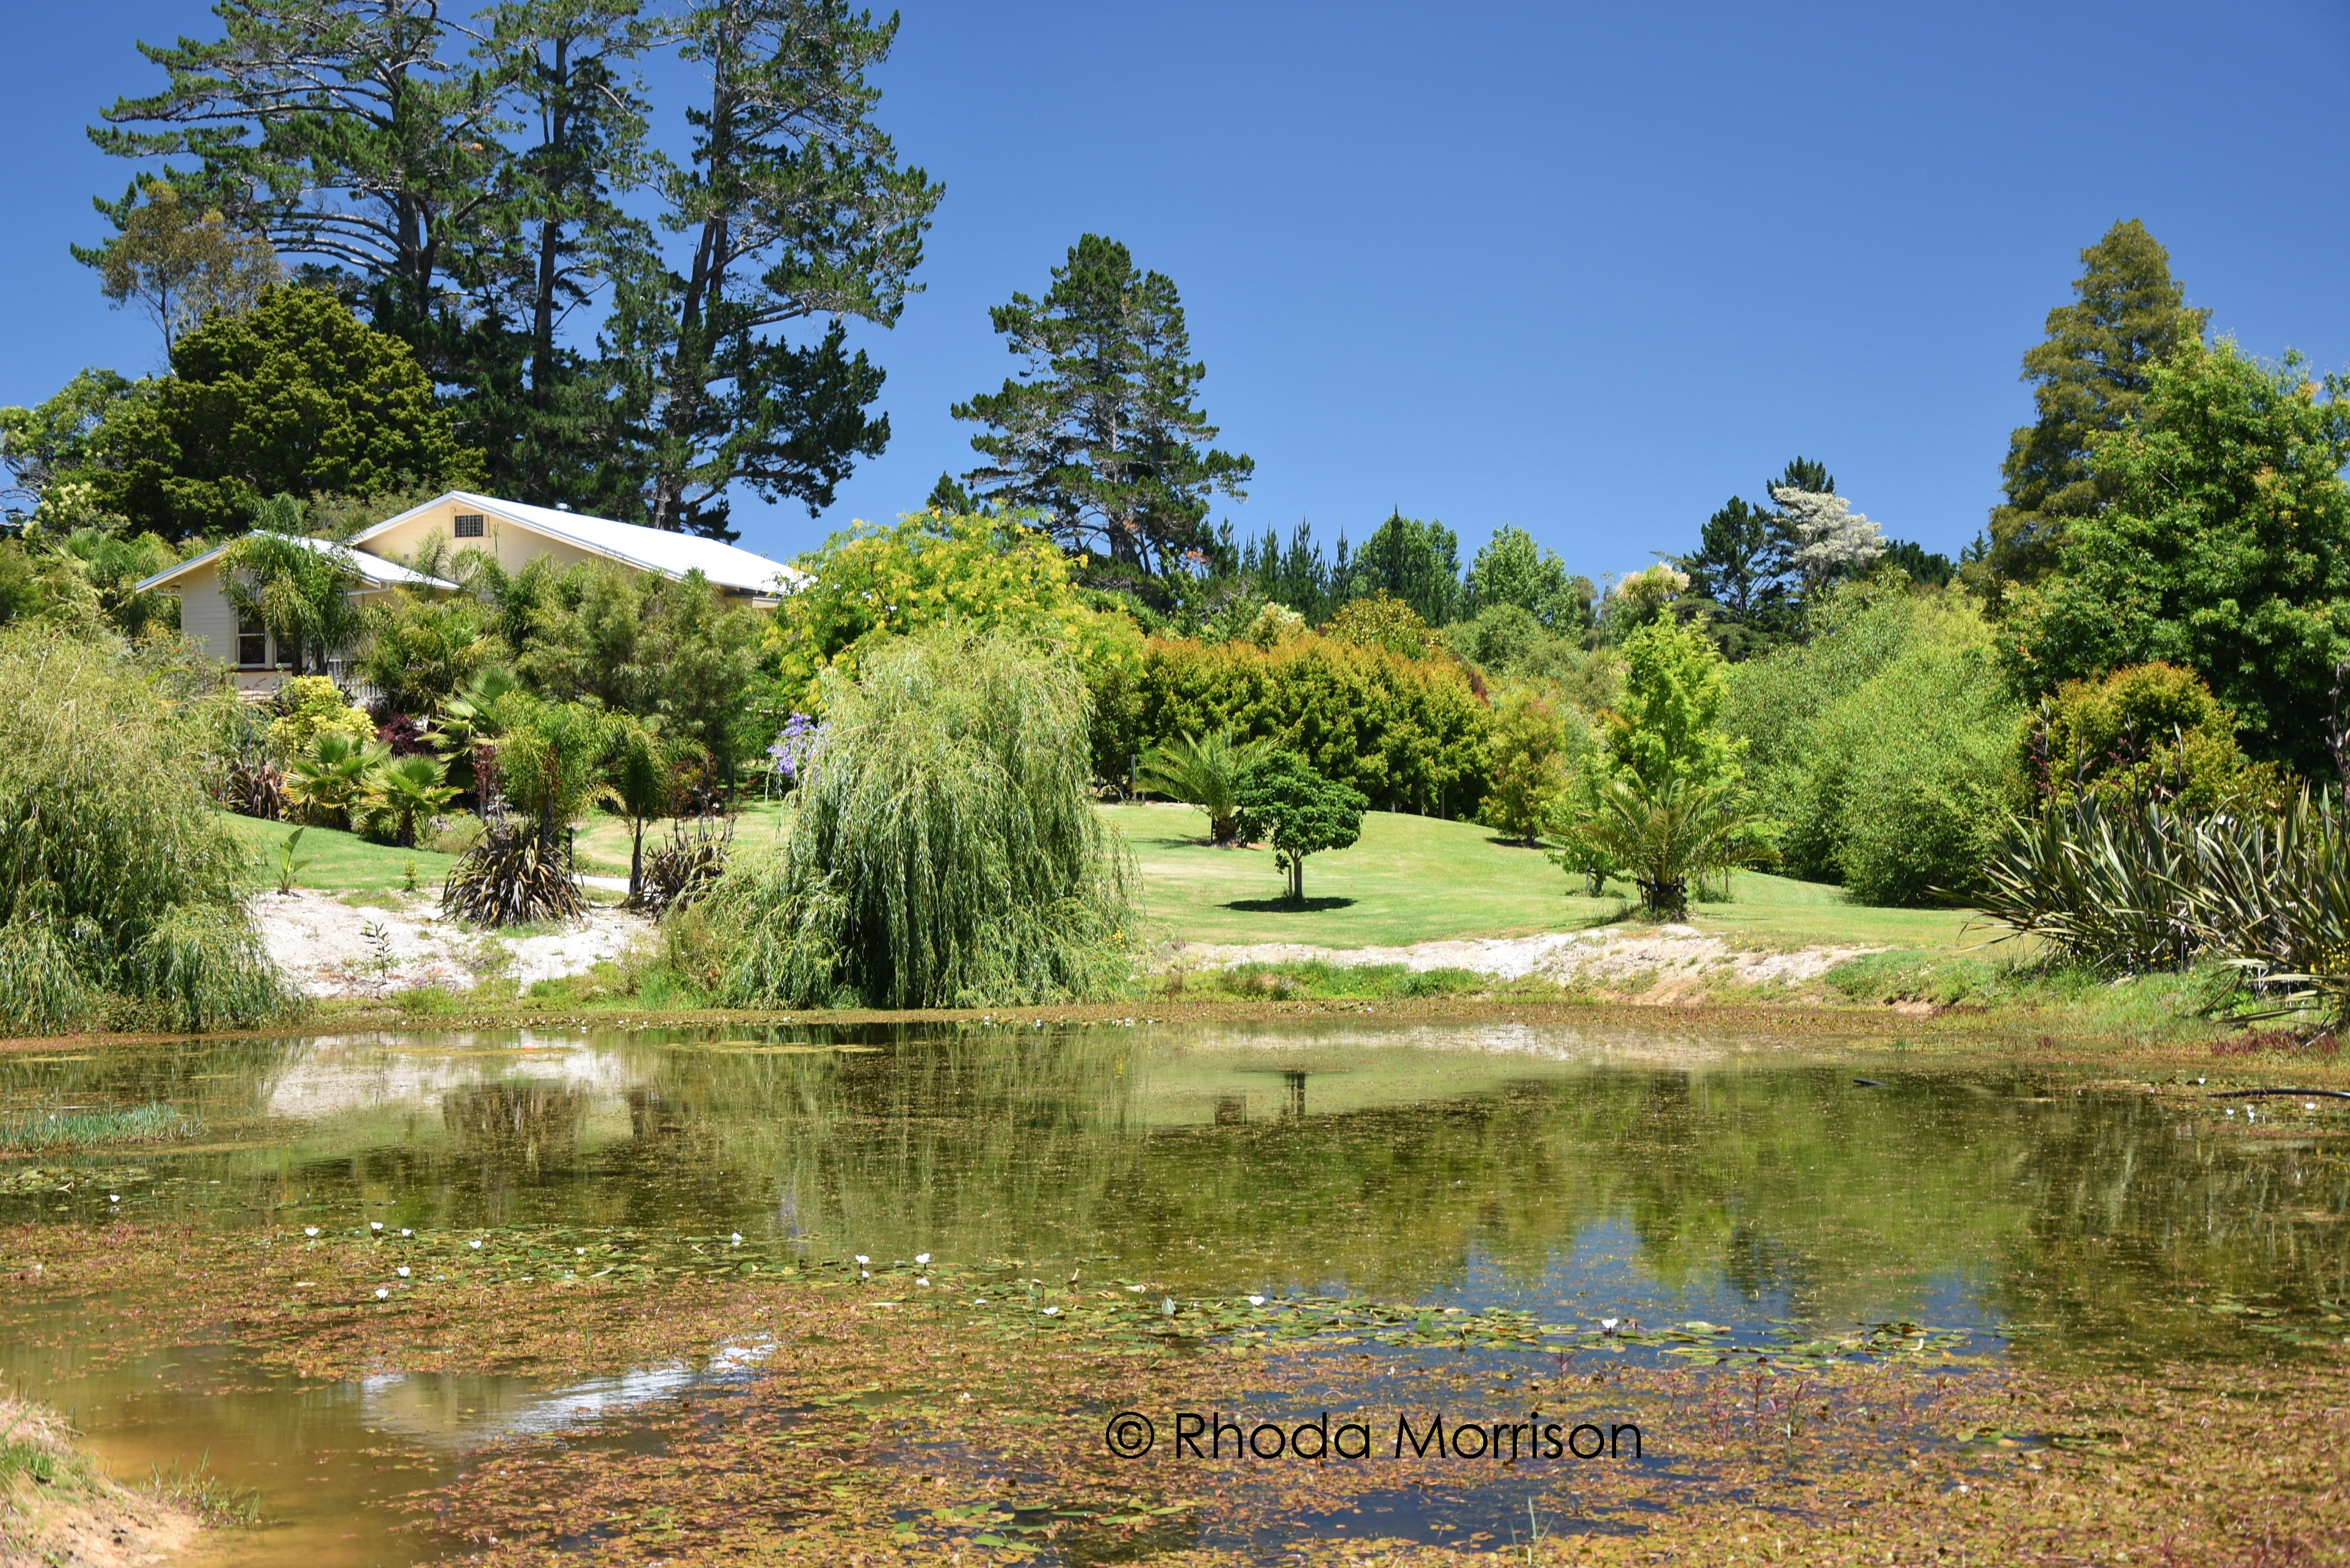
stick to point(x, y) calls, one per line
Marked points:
point(1588, 269)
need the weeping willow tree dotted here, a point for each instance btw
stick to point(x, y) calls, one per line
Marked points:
point(119, 890)
point(946, 851)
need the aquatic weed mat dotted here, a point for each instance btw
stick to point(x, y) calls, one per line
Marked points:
point(881, 1418)
point(929, 1448)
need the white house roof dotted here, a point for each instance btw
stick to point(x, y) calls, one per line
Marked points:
point(648, 549)
point(375, 572)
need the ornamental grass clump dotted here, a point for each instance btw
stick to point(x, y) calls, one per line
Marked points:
point(946, 853)
point(120, 893)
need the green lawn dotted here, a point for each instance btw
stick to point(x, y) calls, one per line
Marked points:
point(1415, 878)
point(1409, 878)
point(339, 862)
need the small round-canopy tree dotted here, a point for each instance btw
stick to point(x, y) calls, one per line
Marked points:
point(117, 881)
point(946, 853)
point(1298, 812)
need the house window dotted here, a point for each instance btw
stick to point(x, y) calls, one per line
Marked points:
point(252, 642)
point(469, 526)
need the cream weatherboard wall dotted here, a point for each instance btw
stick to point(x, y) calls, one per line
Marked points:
point(511, 546)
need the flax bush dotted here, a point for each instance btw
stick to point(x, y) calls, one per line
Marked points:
point(946, 853)
point(119, 891)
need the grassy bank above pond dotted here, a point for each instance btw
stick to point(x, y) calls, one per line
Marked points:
point(1408, 879)
point(1416, 879)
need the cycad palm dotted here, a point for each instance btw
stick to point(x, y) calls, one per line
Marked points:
point(1203, 770)
point(1666, 833)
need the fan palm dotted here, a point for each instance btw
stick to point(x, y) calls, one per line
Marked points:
point(402, 791)
point(1203, 770)
point(330, 778)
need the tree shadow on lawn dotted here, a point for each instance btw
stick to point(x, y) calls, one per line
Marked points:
point(1287, 906)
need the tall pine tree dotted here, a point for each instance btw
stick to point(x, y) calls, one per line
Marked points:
point(1101, 431)
point(2090, 375)
point(796, 209)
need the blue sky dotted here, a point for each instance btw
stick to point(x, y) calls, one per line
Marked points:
point(1586, 269)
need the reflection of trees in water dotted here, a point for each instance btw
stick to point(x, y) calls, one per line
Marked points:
point(506, 1137)
point(2133, 1201)
point(525, 1128)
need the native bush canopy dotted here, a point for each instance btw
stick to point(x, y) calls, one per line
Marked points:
point(2224, 546)
point(946, 851)
point(119, 891)
point(298, 397)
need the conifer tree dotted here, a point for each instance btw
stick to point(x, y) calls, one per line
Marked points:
point(2090, 375)
point(1101, 431)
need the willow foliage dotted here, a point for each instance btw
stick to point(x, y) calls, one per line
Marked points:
point(119, 891)
point(946, 851)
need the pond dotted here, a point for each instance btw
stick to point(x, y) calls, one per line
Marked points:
point(1573, 1177)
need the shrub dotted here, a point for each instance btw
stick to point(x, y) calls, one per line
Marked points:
point(1533, 752)
point(119, 890)
point(946, 851)
point(1883, 745)
point(1410, 733)
point(2148, 730)
point(304, 706)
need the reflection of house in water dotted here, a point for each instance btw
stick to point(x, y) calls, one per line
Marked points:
point(336, 1076)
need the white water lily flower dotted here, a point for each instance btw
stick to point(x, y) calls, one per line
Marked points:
point(735, 1239)
point(981, 1301)
point(1052, 1312)
point(922, 1257)
point(862, 1260)
point(406, 1231)
point(2309, 1104)
point(114, 1198)
point(375, 1224)
point(475, 1244)
point(1256, 1301)
point(402, 1271)
point(382, 1293)
point(313, 1230)
point(1608, 1325)
point(581, 1250)
point(864, 1274)
point(924, 1281)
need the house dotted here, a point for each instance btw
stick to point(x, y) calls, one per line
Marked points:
point(510, 532)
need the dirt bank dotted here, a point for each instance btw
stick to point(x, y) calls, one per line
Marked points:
point(57, 1510)
point(1673, 957)
point(396, 942)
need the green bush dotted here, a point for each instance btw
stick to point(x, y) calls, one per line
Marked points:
point(1411, 734)
point(119, 891)
point(1883, 746)
point(945, 851)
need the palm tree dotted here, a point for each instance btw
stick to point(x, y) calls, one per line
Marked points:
point(1203, 770)
point(405, 789)
point(299, 588)
point(331, 776)
point(1666, 832)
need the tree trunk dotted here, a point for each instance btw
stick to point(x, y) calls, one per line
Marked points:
point(1297, 878)
point(637, 862)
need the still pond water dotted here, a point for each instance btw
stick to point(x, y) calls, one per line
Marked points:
point(1565, 1171)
